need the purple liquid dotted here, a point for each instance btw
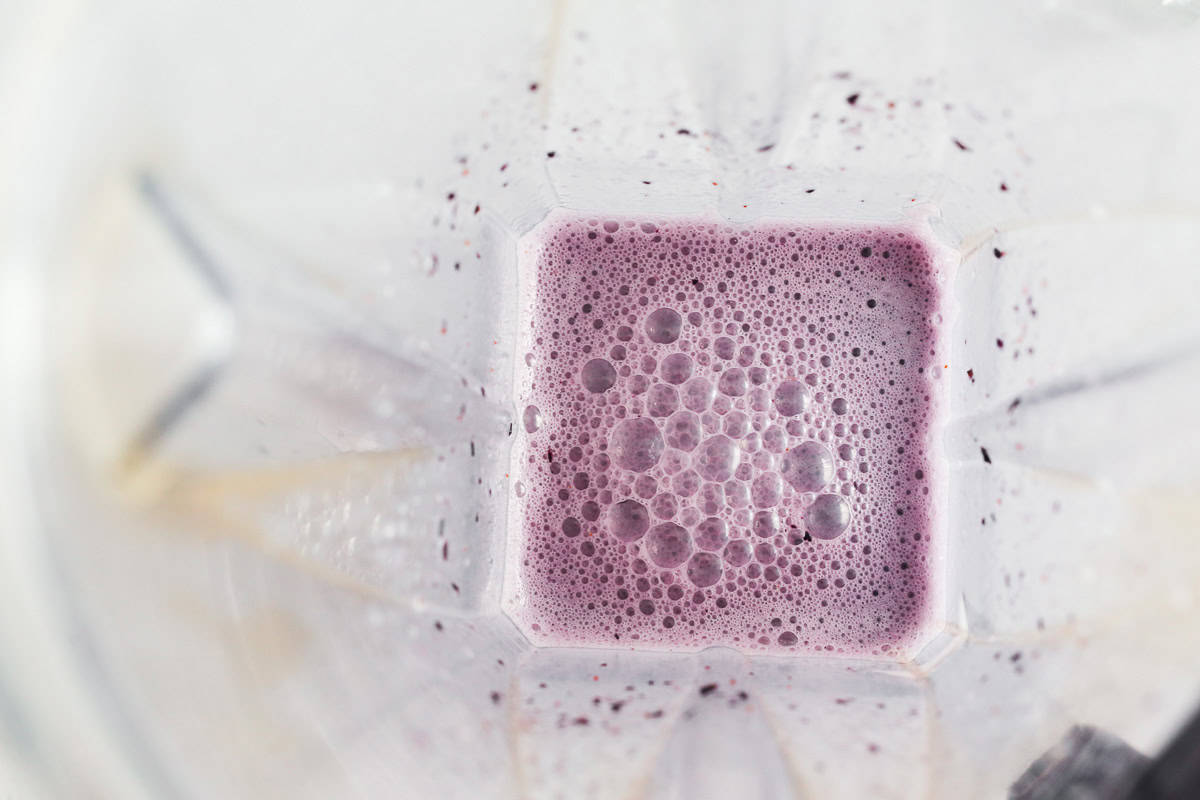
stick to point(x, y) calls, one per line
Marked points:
point(727, 436)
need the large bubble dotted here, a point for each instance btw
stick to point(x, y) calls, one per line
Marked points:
point(668, 545)
point(662, 400)
point(827, 517)
point(737, 552)
point(712, 534)
point(635, 444)
point(598, 375)
point(628, 520)
point(808, 467)
point(767, 490)
point(676, 368)
point(791, 398)
point(733, 382)
point(683, 430)
point(663, 325)
point(704, 569)
point(717, 458)
point(698, 394)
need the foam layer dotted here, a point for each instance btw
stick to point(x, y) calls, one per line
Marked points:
point(727, 436)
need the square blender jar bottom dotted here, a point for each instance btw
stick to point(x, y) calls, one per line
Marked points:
point(729, 436)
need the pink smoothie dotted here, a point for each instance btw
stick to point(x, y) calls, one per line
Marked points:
point(726, 436)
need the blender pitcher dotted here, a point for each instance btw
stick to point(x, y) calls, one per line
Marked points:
point(264, 296)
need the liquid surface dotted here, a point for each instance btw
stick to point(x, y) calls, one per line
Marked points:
point(727, 434)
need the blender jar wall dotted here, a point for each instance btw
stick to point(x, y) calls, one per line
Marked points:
point(274, 390)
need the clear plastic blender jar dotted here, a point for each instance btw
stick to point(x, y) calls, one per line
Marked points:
point(260, 321)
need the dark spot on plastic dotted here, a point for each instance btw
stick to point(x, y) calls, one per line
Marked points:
point(986, 458)
point(707, 689)
point(997, 252)
point(961, 146)
point(852, 99)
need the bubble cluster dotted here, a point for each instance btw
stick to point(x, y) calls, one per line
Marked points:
point(726, 435)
